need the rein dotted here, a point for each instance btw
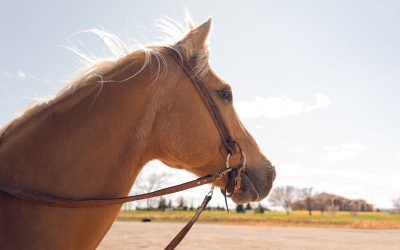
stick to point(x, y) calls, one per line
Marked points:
point(56, 201)
point(233, 173)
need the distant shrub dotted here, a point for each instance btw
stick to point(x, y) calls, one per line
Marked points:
point(260, 209)
point(248, 207)
point(240, 208)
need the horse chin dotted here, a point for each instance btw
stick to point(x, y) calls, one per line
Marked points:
point(247, 193)
point(254, 187)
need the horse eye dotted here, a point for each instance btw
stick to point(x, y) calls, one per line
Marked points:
point(225, 95)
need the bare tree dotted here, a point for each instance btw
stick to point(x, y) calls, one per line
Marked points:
point(127, 206)
point(322, 205)
point(284, 196)
point(396, 204)
point(148, 183)
point(307, 194)
point(354, 208)
point(181, 203)
point(333, 206)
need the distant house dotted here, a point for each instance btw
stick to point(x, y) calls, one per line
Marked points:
point(332, 202)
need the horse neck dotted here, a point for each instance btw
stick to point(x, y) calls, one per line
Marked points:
point(91, 143)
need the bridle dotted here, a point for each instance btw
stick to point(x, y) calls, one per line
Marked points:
point(233, 174)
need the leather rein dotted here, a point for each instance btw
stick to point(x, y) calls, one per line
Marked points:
point(233, 174)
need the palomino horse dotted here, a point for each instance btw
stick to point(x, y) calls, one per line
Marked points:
point(93, 139)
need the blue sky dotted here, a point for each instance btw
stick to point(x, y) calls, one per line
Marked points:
point(316, 82)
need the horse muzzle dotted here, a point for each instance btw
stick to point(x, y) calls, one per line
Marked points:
point(255, 184)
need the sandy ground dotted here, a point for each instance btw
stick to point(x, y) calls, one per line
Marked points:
point(156, 235)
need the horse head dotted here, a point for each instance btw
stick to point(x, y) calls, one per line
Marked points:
point(188, 137)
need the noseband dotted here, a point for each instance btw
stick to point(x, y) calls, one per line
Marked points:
point(233, 174)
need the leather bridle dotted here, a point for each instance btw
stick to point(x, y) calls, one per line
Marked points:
point(233, 174)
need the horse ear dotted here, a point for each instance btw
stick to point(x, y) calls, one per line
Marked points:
point(196, 40)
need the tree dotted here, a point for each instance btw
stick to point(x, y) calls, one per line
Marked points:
point(354, 205)
point(148, 182)
point(307, 194)
point(240, 208)
point(260, 209)
point(284, 196)
point(396, 204)
point(248, 206)
point(181, 203)
point(162, 204)
point(322, 205)
point(333, 206)
point(169, 205)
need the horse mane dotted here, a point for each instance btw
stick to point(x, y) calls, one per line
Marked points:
point(95, 67)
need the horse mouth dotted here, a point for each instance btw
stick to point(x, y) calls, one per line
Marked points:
point(256, 184)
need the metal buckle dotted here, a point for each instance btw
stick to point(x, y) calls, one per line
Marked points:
point(210, 193)
point(242, 158)
point(240, 169)
point(238, 180)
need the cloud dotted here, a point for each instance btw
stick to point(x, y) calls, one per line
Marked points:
point(279, 107)
point(331, 148)
point(298, 149)
point(6, 74)
point(355, 146)
point(21, 74)
point(338, 155)
point(288, 170)
point(343, 151)
point(296, 170)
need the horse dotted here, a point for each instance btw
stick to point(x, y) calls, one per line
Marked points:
point(96, 135)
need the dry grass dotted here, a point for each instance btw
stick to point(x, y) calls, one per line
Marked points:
point(363, 220)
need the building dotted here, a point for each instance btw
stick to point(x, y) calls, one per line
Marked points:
point(332, 202)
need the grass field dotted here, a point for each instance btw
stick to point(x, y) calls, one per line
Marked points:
point(363, 220)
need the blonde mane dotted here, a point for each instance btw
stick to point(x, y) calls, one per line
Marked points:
point(95, 67)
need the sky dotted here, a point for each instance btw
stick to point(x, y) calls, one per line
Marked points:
point(317, 83)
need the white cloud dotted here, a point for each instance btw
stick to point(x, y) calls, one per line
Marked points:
point(352, 182)
point(298, 149)
point(355, 146)
point(287, 171)
point(343, 151)
point(279, 107)
point(338, 155)
point(6, 74)
point(331, 148)
point(21, 74)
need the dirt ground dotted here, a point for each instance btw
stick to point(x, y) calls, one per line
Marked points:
point(156, 235)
